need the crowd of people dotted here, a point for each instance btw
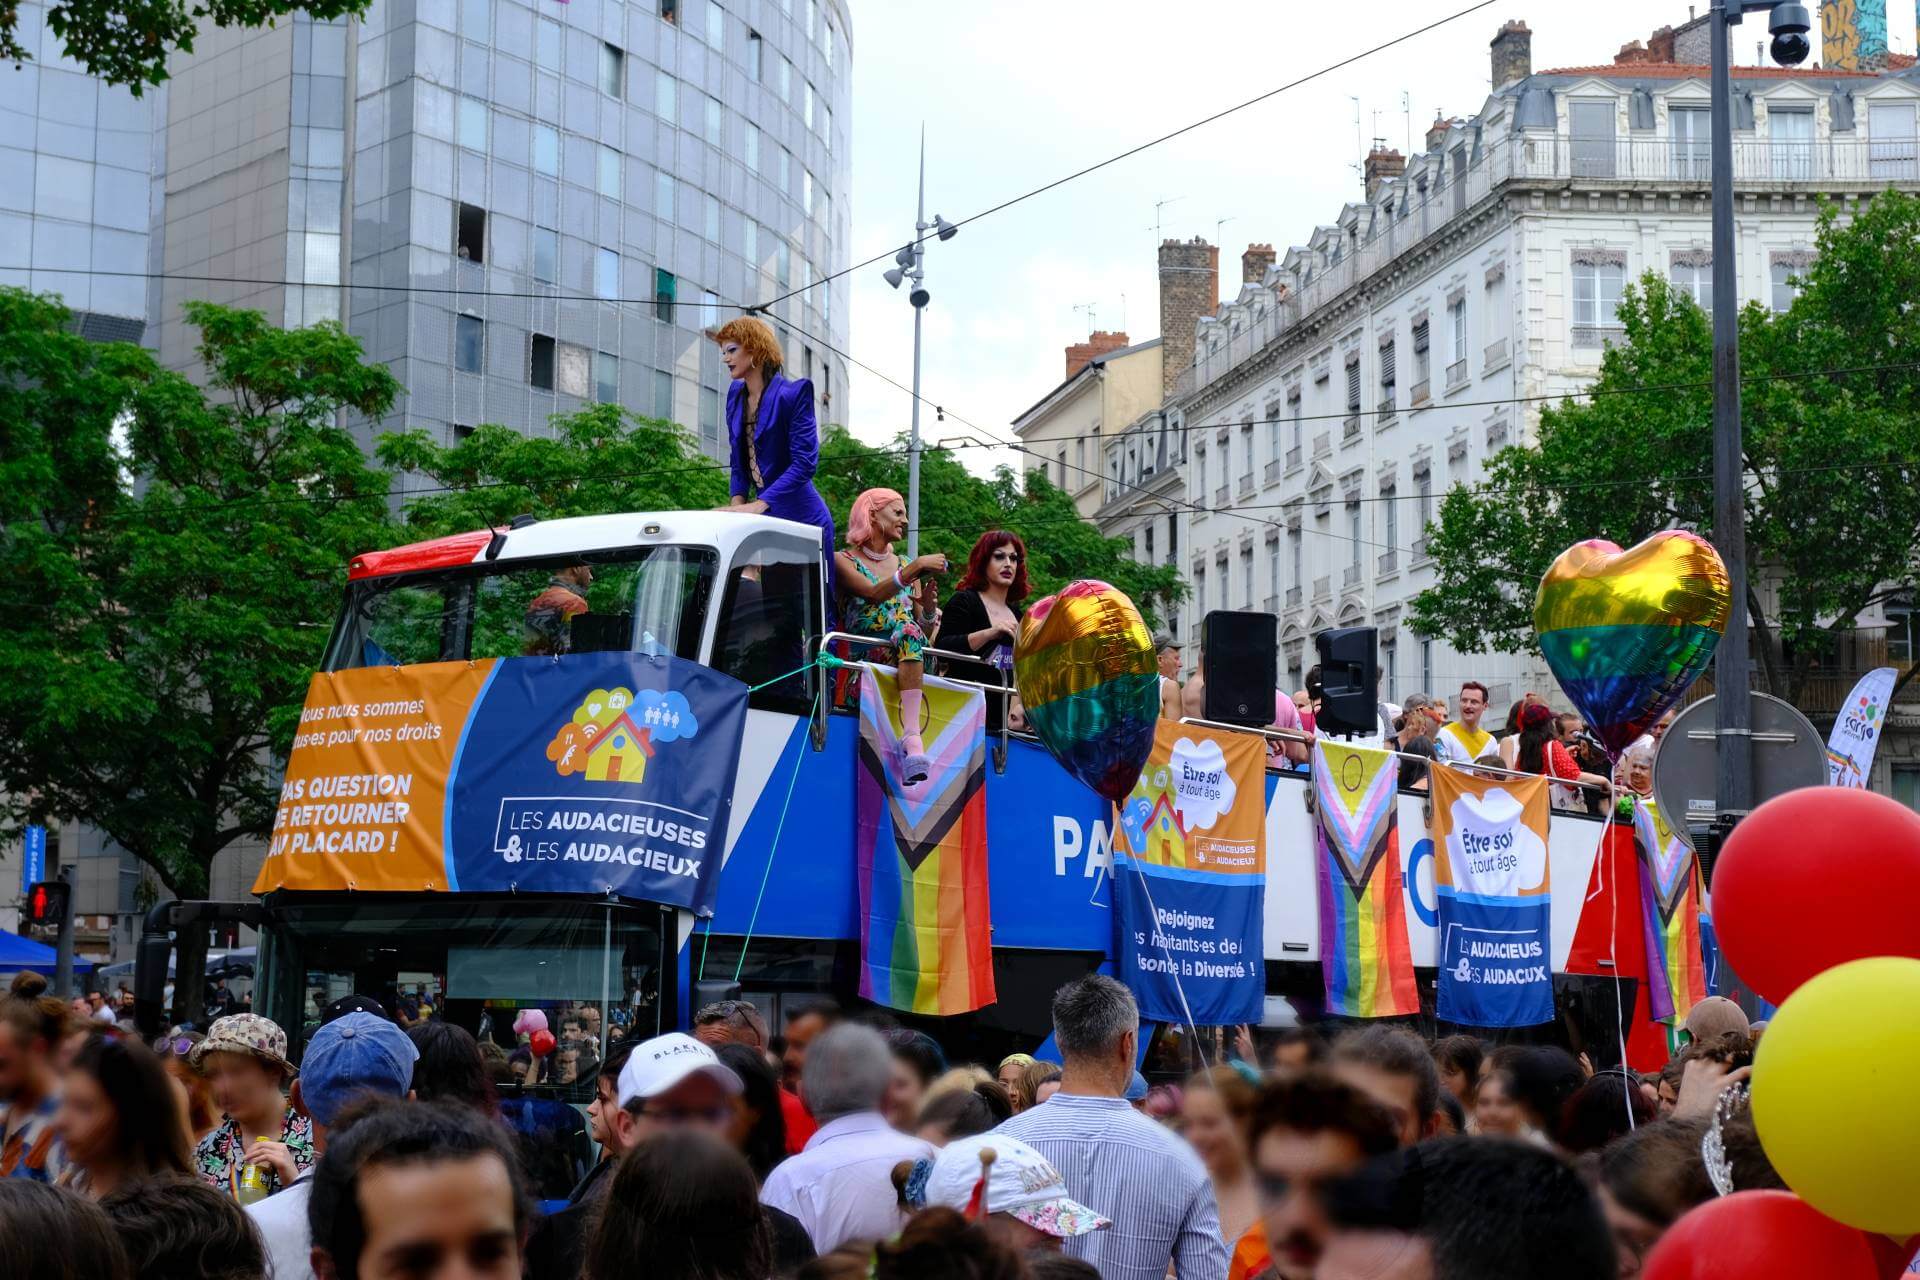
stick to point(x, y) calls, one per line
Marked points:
point(848, 1146)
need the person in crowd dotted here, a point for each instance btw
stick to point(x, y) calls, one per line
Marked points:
point(30, 1031)
point(1418, 721)
point(961, 1079)
point(1015, 1193)
point(1610, 1105)
point(1193, 694)
point(1635, 774)
point(1645, 1181)
point(1392, 1066)
point(450, 1067)
point(245, 1060)
point(1132, 1170)
point(1058, 1266)
point(1169, 658)
point(1458, 1059)
point(773, 438)
point(1306, 704)
point(936, 1244)
point(1041, 1080)
point(119, 1119)
point(759, 1127)
point(683, 1206)
point(740, 1022)
point(887, 598)
point(1716, 1016)
point(983, 616)
point(418, 1189)
point(1462, 741)
point(1307, 1129)
point(548, 621)
point(49, 1233)
point(730, 1022)
point(1543, 1078)
point(1466, 1209)
point(840, 1187)
point(196, 1095)
point(1667, 1085)
point(348, 1061)
point(1496, 1107)
point(1163, 1103)
point(917, 1063)
point(175, 1226)
point(803, 1026)
point(1295, 1049)
point(1216, 1114)
point(1012, 1073)
point(606, 1101)
point(1453, 1116)
point(1541, 752)
point(1286, 752)
point(960, 1114)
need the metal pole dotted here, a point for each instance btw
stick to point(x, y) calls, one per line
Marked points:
point(63, 942)
point(913, 440)
point(1731, 670)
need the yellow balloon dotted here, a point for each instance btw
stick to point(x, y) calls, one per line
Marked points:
point(1833, 1094)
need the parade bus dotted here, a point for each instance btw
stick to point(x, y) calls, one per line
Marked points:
point(744, 596)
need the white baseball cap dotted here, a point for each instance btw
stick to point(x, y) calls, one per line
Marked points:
point(661, 1063)
point(1021, 1182)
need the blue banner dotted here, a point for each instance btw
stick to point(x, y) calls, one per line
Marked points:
point(1189, 879)
point(606, 773)
point(33, 867)
point(1494, 953)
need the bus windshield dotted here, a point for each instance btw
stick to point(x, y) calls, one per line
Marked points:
point(649, 599)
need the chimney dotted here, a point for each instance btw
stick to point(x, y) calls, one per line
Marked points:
point(1437, 133)
point(1098, 343)
point(1512, 54)
point(1189, 289)
point(1383, 163)
point(1631, 53)
point(1660, 45)
point(1255, 261)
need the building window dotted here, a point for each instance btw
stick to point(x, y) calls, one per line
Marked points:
point(670, 10)
point(753, 149)
point(715, 126)
point(476, 19)
point(1299, 437)
point(756, 55)
point(1200, 591)
point(469, 343)
point(606, 377)
point(1692, 144)
point(1790, 135)
point(609, 173)
point(1493, 314)
point(709, 309)
point(783, 262)
point(1246, 575)
point(783, 76)
point(663, 96)
point(1893, 150)
point(613, 71)
point(1354, 533)
point(716, 26)
point(663, 195)
point(1423, 503)
point(806, 191)
point(663, 394)
point(665, 287)
point(540, 362)
point(1422, 358)
point(473, 124)
point(1353, 383)
point(461, 431)
point(710, 218)
point(1389, 519)
point(1596, 293)
point(1786, 286)
point(1591, 125)
point(1246, 451)
point(1387, 375)
point(470, 233)
point(546, 254)
point(1457, 321)
point(546, 150)
point(606, 274)
point(1906, 785)
point(546, 45)
point(1692, 274)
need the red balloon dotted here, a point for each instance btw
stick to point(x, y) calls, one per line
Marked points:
point(1760, 1235)
point(541, 1042)
point(1816, 878)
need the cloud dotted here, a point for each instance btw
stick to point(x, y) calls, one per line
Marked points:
point(1489, 842)
point(1203, 789)
point(665, 715)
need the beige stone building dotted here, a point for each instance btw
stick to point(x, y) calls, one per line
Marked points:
point(1108, 385)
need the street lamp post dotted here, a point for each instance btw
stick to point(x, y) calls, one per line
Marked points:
point(911, 264)
point(1732, 669)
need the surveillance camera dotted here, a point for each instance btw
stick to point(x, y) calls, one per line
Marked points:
point(1789, 26)
point(919, 297)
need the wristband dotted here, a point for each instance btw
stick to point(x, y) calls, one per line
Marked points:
point(897, 582)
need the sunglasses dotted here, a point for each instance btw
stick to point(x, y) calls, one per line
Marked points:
point(178, 1046)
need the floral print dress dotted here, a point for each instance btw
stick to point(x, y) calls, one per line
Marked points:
point(890, 619)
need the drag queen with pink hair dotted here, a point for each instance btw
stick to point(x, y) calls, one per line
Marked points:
point(878, 591)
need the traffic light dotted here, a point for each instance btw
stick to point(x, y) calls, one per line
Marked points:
point(47, 902)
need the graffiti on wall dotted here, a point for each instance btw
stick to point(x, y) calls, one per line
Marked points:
point(1853, 34)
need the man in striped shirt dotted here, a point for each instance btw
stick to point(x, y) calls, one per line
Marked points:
point(1115, 1160)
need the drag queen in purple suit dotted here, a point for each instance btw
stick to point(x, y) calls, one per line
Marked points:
point(772, 434)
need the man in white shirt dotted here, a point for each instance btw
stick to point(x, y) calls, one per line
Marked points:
point(841, 1186)
point(357, 1056)
point(1463, 741)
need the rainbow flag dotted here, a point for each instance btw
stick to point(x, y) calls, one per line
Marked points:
point(926, 944)
point(1364, 955)
point(1670, 910)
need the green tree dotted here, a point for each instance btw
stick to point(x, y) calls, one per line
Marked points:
point(170, 562)
point(1831, 432)
point(957, 506)
point(129, 41)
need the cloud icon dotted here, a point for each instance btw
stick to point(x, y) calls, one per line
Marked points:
point(1498, 852)
point(1203, 790)
point(666, 716)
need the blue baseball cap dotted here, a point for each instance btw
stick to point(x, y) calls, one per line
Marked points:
point(352, 1056)
point(1136, 1088)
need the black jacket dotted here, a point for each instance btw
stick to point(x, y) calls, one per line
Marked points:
point(961, 616)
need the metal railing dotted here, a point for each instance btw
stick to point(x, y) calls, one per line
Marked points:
point(1293, 458)
point(1322, 588)
point(821, 707)
point(1246, 485)
point(1351, 576)
point(1221, 495)
point(1273, 604)
point(1496, 352)
point(1421, 395)
point(1323, 444)
point(1457, 374)
point(1420, 548)
point(1272, 473)
point(1388, 562)
point(1293, 596)
point(1350, 428)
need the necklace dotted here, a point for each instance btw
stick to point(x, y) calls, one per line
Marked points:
point(876, 559)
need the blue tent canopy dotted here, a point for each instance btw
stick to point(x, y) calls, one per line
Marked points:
point(17, 953)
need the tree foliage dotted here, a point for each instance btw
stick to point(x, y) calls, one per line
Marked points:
point(128, 42)
point(1831, 433)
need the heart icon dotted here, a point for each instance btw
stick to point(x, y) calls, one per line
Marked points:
point(1625, 632)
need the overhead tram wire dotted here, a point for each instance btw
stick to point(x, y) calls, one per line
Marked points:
point(1130, 152)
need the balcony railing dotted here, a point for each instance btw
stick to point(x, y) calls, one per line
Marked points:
point(1272, 605)
point(1350, 429)
point(1420, 549)
point(1246, 485)
point(1322, 588)
point(1322, 445)
point(1421, 396)
point(1293, 597)
point(1221, 495)
point(1271, 473)
point(1389, 562)
point(1351, 577)
point(1538, 157)
point(1457, 374)
point(1496, 352)
point(1293, 458)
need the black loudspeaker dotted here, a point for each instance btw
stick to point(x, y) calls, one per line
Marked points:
point(1349, 681)
point(1242, 664)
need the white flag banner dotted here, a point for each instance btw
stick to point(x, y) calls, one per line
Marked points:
point(1856, 730)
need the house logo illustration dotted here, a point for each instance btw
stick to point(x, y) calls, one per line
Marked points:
point(614, 732)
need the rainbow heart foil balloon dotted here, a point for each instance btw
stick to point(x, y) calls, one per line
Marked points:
point(1625, 632)
point(1090, 682)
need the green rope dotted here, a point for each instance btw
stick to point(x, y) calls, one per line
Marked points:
point(824, 660)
